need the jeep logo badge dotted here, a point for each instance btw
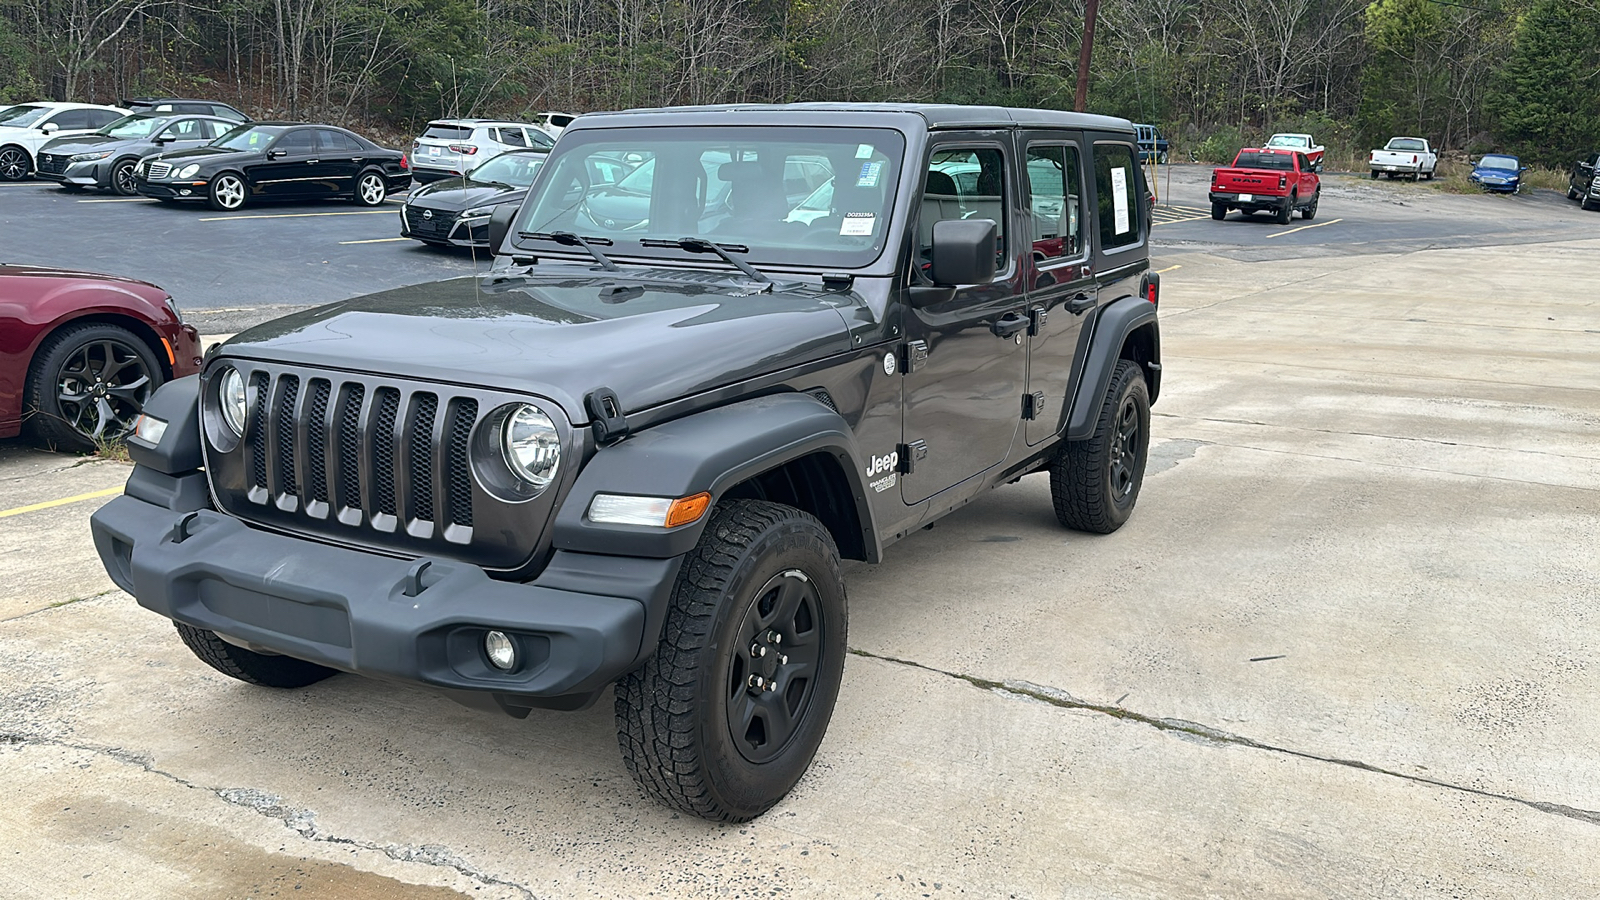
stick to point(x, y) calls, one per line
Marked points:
point(879, 464)
point(888, 364)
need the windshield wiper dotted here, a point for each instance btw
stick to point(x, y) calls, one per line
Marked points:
point(568, 239)
point(701, 245)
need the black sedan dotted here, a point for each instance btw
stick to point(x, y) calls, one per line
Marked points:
point(456, 210)
point(276, 161)
point(106, 158)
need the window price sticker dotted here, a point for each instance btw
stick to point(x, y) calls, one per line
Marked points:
point(857, 224)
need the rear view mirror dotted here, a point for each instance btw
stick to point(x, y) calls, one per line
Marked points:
point(963, 251)
point(500, 224)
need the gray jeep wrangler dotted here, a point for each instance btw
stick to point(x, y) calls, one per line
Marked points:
point(634, 452)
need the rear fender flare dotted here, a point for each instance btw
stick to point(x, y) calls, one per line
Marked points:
point(710, 451)
point(1117, 321)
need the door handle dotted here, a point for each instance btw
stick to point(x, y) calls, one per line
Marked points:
point(310, 161)
point(1080, 304)
point(1009, 324)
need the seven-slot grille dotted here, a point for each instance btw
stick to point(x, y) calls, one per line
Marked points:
point(52, 163)
point(160, 169)
point(305, 442)
point(400, 467)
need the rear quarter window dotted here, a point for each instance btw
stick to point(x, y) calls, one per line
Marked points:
point(1117, 189)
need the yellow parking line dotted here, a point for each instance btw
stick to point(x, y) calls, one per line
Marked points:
point(375, 241)
point(122, 200)
point(1303, 228)
point(356, 212)
point(61, 502)
point(1169, 268)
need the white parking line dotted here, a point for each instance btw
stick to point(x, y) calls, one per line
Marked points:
point(1303, 228)
point(375, 241)
point(357, 212)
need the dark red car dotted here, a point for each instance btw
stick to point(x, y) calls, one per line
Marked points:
point(80, 353)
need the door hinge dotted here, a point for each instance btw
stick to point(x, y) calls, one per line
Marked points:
point(914, 355)
point(910, 454)
point(1036, 319)
point(1033, 405)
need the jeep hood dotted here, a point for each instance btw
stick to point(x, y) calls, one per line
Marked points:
point(650, 336)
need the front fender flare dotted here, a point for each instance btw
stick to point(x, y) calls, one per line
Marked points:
point(708, 451)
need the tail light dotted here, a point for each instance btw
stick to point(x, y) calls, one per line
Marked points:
point(404, 162)
point(467, 149)
point(1283, 181)
point(1150, 288)
point(415, 146)
point(1413, 157)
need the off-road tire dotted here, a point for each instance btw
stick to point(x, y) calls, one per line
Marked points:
point(1287, 212)
point(673, 713)
point(1083, 482)
point(1374, 174)
point(1572, 193)
point(1219, 211)
point(249, 666)
point(1309, 211)
point(43, 416)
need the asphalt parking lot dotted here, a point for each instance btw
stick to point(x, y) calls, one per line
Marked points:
point(1345, 647)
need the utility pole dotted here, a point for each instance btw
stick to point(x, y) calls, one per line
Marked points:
point(1084, 52)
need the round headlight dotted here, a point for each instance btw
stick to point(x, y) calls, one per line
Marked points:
point(532, 446)
point(231, 397)
point(188, 171)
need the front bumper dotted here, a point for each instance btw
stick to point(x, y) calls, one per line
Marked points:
point(459, 232)
point(80, 174)
point(577, 628)
point(172, 190)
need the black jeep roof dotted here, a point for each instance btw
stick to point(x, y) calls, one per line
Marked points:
point(935, 115)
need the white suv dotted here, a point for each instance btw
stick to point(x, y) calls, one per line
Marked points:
point(26, 127)
point(453, 147)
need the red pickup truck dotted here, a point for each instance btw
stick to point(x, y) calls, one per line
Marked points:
point(1278, 181)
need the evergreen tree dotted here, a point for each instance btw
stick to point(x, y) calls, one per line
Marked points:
point(1547, 98)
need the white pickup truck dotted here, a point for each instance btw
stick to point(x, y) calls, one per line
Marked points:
point(1405, 157)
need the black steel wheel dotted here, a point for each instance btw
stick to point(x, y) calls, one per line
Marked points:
point(15, 163)
point(87, 385)
point(122, 180)
point(1095, 483)
point(725, 718)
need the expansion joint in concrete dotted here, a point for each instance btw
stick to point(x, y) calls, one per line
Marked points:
point(301, 821)
point(1028, 691)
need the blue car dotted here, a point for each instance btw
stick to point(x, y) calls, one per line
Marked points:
point(1498, 173)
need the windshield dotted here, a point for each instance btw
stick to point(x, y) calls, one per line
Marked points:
point(1288, 140)
point(1276, 161)
point(515, 169)
point(137, 125)
point(755, 189)
point(248, 137)
point(1411, 144)
point(22, 116)
point(1499, 162)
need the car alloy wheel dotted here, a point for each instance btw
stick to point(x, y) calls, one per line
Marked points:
point(122, 180)
point(101, 388)
point(14, 164)
point(370, 191)
point(227, 192)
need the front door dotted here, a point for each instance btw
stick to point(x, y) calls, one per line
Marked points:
point(292, 168)
point(964, 361)
point(1061, 290)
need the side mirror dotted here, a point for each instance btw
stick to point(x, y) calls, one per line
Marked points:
point(277, 154)
point(963, 251)
point(49, 128)
point(500, 224)
point(165, 138)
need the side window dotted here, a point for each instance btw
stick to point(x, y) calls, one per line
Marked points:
point(1055, 196)
point(964, 183)
point(537, 138)
point(215, 130)
point(99, 118)
point(185, 130)
point(329, 141)
point(1116, 181)
point(296, 142)
point(511, 136)
point(72, 118)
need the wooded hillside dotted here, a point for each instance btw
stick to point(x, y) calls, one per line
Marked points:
point(1470, 74)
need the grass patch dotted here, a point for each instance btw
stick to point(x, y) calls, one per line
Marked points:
point(114, 449)
point(1451, 178)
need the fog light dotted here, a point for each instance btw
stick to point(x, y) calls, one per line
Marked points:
point(185, 192)
point(502, 653)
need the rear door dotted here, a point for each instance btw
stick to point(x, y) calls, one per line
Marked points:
point(1121, 251)
point(340, 158)
point(1061, 288)
point(965, 364)
point(183, 134)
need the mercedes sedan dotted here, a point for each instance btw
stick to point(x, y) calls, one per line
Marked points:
point(276, 161)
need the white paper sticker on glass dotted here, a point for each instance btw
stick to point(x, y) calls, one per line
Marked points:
point(1119, 198)
point(858, 224)
point(863, 151)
